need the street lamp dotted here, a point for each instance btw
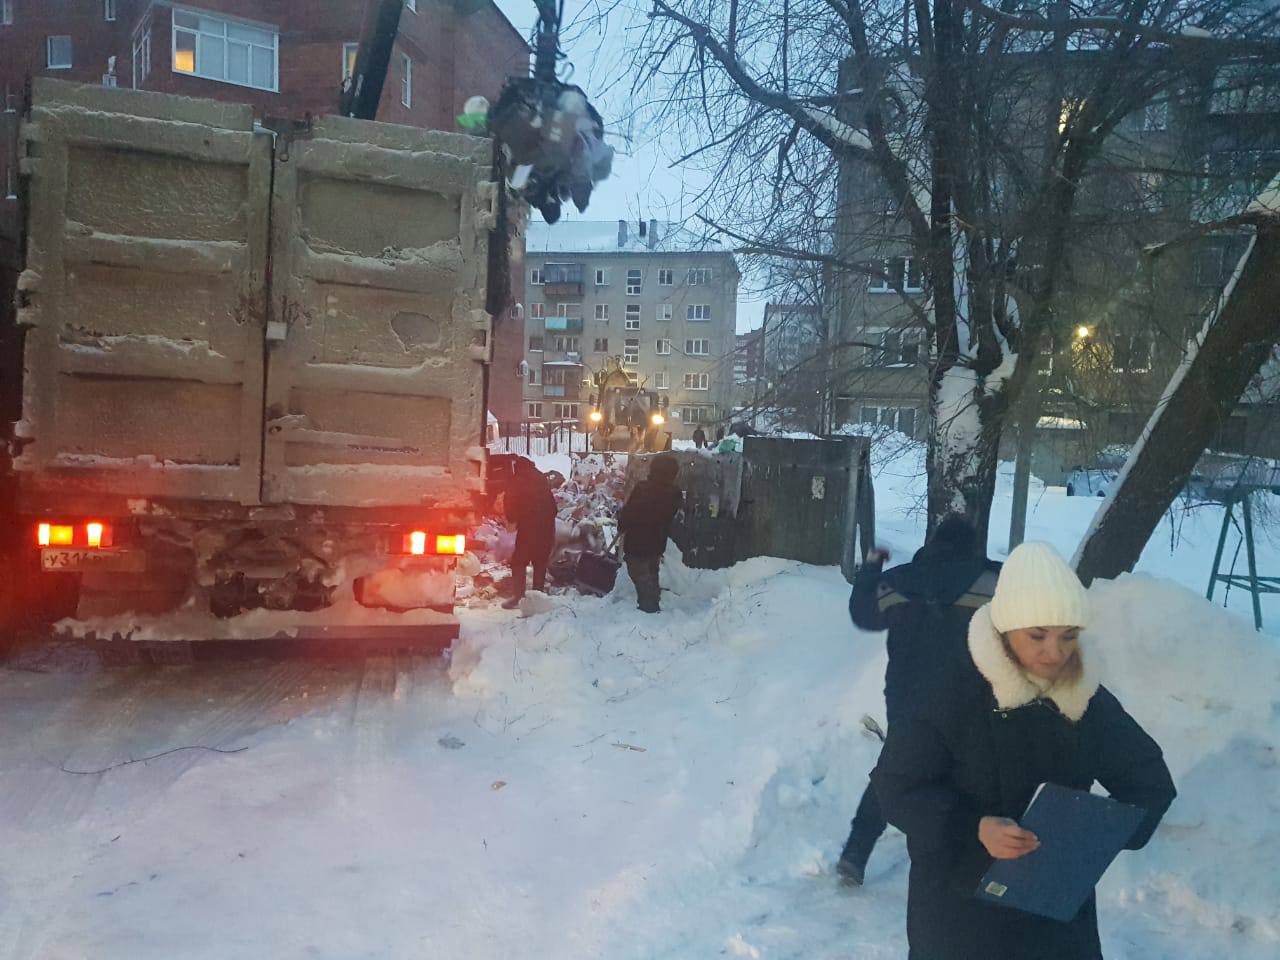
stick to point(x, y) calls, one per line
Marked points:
point(1083, 332)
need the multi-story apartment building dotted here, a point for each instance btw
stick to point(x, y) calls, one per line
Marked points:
point(1214, 145)
point(287, 58)
point(656, 297)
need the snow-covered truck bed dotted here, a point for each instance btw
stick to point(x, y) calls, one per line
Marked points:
point(255, 361)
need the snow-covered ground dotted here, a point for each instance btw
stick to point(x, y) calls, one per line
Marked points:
point(592, 782)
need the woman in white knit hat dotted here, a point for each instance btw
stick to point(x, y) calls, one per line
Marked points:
point(1025, 707)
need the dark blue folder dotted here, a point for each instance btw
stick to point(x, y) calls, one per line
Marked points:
point(1080, 834)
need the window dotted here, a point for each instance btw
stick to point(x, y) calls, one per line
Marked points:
point(662, 347)
point(902, 419)
point(565, 411)
point(602, 278)
point(602, 312)
point(59, 53)
point(697, 348)
point(899, 272)
point(1150, 187)
point(705, 414)
point(1240, 88)
point(570, 310)
point(567, 344)
point(406, 80)
point(631, 351)
point(699, 276)
point(562, 273)
point(142, 54)
point(1156, 116)
point(1210, 266)
point(226, 50)
point(698, 311)
point(108, 9)
point(661, 381)
point(535, 277)
point(696, 381)
point(602, 344)
point(535, 411)
point(898, 347)
point(907, 421)
point(533, 376)
point(1130, 353)
point(633, 316)
point(6, 13)
point(664, 311)
point(914, 276)
point(537, 311)
point(664, 278)
point(886, 282)
point(635, 278)
point(535, 344)
point(349, 51)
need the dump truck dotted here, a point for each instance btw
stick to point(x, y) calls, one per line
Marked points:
point(625, 417)
point(255, 359)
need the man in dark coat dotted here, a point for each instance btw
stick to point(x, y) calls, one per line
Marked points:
point(531, 506)
point(958, 771)
point(699, 438)
point(926, 606)
point(645, 524)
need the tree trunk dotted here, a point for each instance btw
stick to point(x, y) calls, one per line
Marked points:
point(1235, 342)
point(964, 442)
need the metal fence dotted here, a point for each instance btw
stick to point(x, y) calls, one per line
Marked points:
point(532, 439)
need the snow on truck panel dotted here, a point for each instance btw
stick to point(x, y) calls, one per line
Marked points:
point(157, 332)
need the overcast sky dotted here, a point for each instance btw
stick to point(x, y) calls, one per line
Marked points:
point(643, 183)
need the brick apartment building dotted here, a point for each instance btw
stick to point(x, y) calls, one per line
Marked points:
point(287, 58)
point(1225, 128)
point(656, 296)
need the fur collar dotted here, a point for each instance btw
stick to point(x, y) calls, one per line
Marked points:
point(1013, 687)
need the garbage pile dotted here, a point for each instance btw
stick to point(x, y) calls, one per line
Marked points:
point(587, 502)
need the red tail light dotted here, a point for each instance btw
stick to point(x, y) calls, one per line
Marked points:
point(454, 545)
point(95, 535)
point(420, 543)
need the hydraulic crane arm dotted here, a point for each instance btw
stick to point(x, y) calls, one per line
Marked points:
point(362, 93)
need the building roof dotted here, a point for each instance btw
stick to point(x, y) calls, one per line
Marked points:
point(607, 236)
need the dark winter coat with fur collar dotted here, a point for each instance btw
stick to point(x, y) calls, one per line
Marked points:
point(987, 738)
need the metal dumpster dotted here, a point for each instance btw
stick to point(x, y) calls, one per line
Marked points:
point(807, 500)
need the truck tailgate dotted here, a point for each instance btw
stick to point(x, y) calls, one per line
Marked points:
point(219, 313)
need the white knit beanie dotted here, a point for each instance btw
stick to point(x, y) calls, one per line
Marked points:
point(1037, 589)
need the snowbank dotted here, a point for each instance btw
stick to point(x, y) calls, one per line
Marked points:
point(588, 781)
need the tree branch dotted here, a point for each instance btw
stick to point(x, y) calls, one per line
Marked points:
point(834, 134)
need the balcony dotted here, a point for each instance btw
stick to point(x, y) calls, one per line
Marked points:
point(563, 324)
point(562, 280)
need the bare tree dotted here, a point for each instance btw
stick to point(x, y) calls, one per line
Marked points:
point(989, 128)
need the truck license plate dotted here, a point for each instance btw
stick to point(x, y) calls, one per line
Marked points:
point(71, 560)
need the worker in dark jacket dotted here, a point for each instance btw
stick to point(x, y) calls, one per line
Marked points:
point(531, 506)
point(926, 606)
point(699, 438)
point(1023, 707)
point(645, 524)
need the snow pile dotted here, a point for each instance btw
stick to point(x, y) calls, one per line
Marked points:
point(1208, 688)
point(588, 781)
